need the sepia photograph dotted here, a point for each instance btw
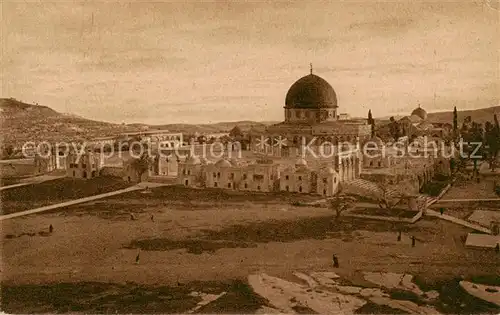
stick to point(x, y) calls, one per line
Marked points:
point(250, 157)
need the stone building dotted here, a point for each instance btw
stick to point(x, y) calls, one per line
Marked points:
point(298, 178)
point(83, 165)
point(259, 176)
point(375, 154)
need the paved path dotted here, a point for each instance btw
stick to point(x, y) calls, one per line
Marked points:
point(32, 180)
point(139, 186)
point(469, 200)
point(450, 218)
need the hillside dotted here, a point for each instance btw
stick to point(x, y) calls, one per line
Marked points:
point(21, 122)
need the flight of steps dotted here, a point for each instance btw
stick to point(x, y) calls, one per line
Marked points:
point(363, 187)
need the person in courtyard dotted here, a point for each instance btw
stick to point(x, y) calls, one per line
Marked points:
point(335, 261)
point(51, 228)
point(497, 248)
point(413, 241)
point(441, 210)
point(137, 258)
point(399, 236)
point(132, 217)
point(152, 218)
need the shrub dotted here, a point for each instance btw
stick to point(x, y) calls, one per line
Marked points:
point(434, 188)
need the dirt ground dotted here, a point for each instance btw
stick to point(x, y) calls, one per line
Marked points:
point(190, 242)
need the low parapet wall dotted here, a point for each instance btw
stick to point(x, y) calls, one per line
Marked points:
point(116, 171)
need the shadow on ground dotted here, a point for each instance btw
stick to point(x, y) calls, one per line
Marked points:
point(94, 297)
point(248, 235)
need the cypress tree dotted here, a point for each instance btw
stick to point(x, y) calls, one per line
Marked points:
point(455, 119)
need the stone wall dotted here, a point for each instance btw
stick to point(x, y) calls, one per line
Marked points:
point(112, 171)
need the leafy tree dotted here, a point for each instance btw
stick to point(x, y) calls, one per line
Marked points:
point(141, 165)
point(390, 197)
point(394, 129)
point(236, 132)
point(340, 203)
point(476, 137)
point(8, 150)
point(201, 139)
point(492, 142)
point(455, 119)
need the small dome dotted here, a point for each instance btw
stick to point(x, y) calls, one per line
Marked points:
point(300, 162)
point(193, 160)
point(289, 169)
point(234, 162)
point(311, 92)
point(223, 163)
point(328, 170)
point(419, 112)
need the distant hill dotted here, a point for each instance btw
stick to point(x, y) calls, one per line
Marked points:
point(481, 115)
point(21, 122)
point(212, 128)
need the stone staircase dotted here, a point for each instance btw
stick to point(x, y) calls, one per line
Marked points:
point(366, 188)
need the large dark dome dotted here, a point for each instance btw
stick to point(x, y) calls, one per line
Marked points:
point(311, 91)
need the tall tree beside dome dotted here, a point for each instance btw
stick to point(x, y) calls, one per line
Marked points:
point(370, 117)
point(492, 141)
point(455, 122)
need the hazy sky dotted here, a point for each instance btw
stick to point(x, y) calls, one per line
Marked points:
point(200, 62)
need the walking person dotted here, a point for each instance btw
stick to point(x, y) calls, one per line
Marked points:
point(413, 241)
point(137, 258)
point(441, 210)
point(497, 248)
point(51, 228)
point(399, 236)
point(335, 261)
point(152, 218)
